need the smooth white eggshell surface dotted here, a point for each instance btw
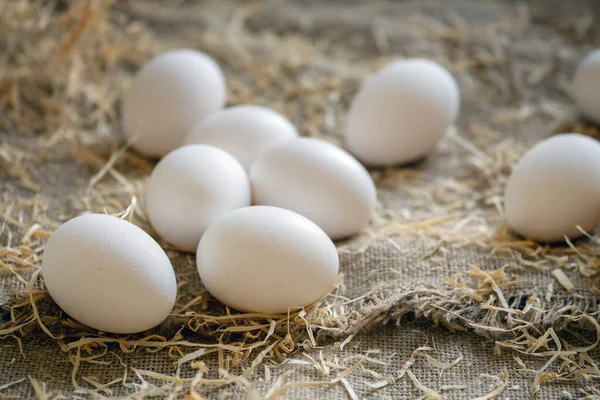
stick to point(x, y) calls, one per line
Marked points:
point(401, 113)
point(266, 259)
point(318, 180)
point(554, 188)
point(168, 96)
point(109, 274)
point(192, 187)
point(243, 131)
point(586, 86)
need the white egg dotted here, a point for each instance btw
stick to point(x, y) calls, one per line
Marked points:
point(317, 180)
point(554, 188)
point(192, 187)
point(401, 113)
point(266, 259)
point(243, 131)
point(586, 86)
point(109, 274)
point(168, 96)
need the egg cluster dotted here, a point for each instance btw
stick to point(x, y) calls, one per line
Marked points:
point(260, 205)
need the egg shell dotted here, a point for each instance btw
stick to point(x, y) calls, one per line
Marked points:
point(318, 180)
point(109, 274)
point(192, 187)
point(586, 86)
point(243, 131)
point(267, 260)
point(168, 96)
point(402, 112)
point(554, 188)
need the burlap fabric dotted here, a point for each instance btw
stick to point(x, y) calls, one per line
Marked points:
point(405, 282)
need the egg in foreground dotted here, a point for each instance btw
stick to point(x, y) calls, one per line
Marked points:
point(554, 188)
point(243, 131)
point(402, 112)
point(318, 180)
point(586, 86)
point(168, 96)
point(267, 260)
point(109, 274)
point(192, 187)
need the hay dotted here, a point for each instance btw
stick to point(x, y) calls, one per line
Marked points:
point(59, 98)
